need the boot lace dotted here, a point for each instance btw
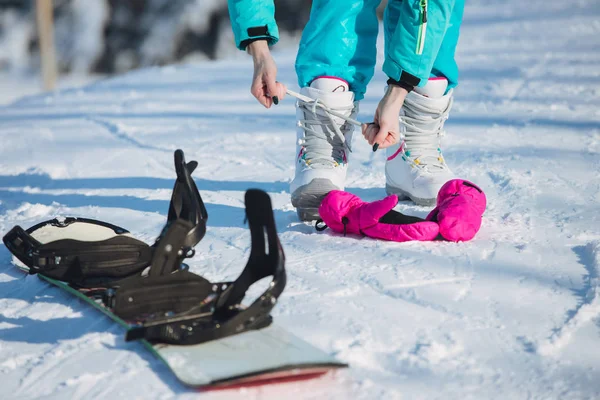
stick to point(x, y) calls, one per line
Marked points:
point(424, 129)
point(324, 139)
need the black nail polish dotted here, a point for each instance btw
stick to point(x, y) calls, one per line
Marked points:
point(275, 100)
point(375, 146)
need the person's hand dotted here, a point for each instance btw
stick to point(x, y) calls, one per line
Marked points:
point(385, 129)
point(264, 85)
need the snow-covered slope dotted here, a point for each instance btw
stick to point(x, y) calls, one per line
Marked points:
point(514, 313)
point(16, 85)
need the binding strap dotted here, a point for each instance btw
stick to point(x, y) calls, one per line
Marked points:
point(72, 260)
point(167, 289)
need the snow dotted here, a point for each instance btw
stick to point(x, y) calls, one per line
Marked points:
point(15, 85)
point(515, 313)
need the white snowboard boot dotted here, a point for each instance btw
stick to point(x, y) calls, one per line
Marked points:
point(323, 145)
point(415, 167)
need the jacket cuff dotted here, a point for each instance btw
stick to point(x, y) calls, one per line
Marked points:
point(401, 77)
point(268, 32)
point(401, 83)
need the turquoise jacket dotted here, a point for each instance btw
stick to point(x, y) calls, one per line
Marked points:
point(340, 38)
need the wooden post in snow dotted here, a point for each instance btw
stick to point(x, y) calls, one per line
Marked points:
point(45, 24)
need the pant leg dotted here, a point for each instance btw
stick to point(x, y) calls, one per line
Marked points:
point(391, 16)
point(419, 47)
point(445, 62)
point(339, 40)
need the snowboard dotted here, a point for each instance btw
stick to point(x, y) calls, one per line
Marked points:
point(200, 329)
point(252, 358)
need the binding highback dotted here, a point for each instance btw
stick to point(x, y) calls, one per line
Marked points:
point(186, 202)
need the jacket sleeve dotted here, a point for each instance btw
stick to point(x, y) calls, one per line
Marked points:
point(417, 38)
point(251, 20)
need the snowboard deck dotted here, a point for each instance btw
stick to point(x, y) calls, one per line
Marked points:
point(252, 358)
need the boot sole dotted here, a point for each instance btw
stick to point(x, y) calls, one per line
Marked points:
point(403, 195)
point(308, 198)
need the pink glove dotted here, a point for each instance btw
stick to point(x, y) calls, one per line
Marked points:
point(460, 205)
point(347, 213)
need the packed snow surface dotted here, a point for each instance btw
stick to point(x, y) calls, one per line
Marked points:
point(515, 313)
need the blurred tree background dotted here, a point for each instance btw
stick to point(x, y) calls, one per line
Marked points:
point(108, 36)
point(111, 36)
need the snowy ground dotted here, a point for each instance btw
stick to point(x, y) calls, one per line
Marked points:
point(14, 86)
point(513, 314)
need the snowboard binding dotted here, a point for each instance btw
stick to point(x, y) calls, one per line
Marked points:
point(150, 286)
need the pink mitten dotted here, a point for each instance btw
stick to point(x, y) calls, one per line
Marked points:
point(347, 213)
point(460, 206)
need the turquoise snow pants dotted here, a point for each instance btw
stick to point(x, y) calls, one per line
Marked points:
point(340, 40)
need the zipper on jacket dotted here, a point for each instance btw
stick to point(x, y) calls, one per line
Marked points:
point(422, 27)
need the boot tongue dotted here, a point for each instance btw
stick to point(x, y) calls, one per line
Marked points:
point(334, 93)
point(434, 89)
point(330, 84)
